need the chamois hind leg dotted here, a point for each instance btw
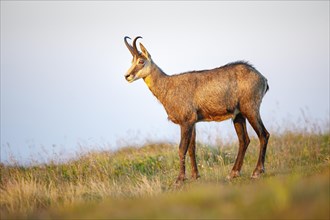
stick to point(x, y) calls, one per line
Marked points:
point(263, 135)
point(186, 134)
point(243, 138)
point(192, 154)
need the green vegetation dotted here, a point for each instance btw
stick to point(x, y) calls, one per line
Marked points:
point(139, 183)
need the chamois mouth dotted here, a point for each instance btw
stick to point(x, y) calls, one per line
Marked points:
point(130, 78)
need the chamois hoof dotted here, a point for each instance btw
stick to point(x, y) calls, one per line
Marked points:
point(233, 174)
point(180, 179)
point(195, 176)
point(179, 182)
point(255, 176)
point(257, 173)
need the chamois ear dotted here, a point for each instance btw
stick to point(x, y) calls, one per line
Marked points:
point(144, 51)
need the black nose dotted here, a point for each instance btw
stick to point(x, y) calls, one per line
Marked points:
point(126, 76)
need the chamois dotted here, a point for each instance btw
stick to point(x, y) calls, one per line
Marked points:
point(232, 91)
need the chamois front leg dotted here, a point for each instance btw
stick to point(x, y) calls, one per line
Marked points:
point(192, 154)
point(186, 134)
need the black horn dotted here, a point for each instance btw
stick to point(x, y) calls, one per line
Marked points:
point(131, 49)
point(134, 45)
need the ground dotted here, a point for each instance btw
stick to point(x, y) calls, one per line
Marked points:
point(139, 183)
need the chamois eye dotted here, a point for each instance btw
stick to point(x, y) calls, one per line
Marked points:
point(141, 61)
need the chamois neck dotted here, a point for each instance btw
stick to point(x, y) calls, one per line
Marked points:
point(156, 81)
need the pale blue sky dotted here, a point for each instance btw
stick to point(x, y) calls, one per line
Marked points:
point(62, 67)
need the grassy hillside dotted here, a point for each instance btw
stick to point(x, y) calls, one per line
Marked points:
point(139, 182)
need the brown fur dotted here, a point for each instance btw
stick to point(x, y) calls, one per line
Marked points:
point(231, 91)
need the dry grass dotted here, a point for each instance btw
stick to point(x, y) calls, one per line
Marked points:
point(138, 183)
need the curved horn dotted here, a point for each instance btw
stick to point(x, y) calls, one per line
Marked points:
point(134, 45)
point(131, 49)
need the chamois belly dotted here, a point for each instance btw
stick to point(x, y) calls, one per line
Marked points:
point(219, 115)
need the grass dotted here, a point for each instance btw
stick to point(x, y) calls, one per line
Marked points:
point(139, 183)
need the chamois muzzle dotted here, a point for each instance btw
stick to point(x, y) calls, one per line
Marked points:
point(129, 77)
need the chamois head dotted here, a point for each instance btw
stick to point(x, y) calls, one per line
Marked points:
point(141, 61)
